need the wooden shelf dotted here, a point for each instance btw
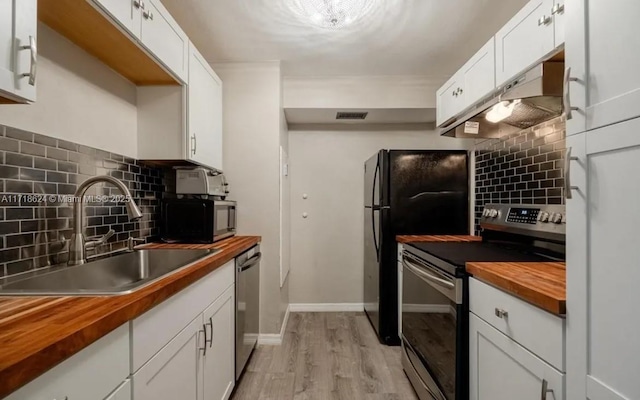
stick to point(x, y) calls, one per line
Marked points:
point(85, 26)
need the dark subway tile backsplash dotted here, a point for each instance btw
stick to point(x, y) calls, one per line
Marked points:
point(523, 168)
point(38, 172)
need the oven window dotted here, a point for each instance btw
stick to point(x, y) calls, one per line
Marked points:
point(429, 326)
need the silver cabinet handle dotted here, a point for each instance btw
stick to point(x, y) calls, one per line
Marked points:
point(544, 20)
point(557, 9)
point(545, 390)
point(567, 173)
point(148, 15)
point(500, 313)
point(34, 60)
point(566, 97)
point(194, 144)
point(210, 323)
point(138, 4)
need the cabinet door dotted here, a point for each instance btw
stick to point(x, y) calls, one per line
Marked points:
point(500, 369)
point(479, 74)
point(559, 24)
point(204, 112)
point(449, 100)
point(607, 89)
point(173, 373)
point(524, 40)
point(18, 50)
point(602, 266)
point(219, 360)
point(162, 35)
point(126, 13)
point(121, 393)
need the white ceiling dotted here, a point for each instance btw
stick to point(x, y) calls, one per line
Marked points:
point(399, 37)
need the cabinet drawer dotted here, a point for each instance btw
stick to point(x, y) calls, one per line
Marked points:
point(155, 328)
point(540, 332)
point(91, 374)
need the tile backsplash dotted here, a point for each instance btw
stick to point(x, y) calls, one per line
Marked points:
point(523, 168)
point(38, 177)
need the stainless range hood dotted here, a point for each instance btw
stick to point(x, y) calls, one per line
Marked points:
point(530, 99)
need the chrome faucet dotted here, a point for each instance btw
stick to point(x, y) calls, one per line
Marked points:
point(77, 250)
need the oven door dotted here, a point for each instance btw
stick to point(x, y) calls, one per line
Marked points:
point(431, 302)
point(224, 219)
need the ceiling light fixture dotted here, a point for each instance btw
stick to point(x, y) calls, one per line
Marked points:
point(332, 14)
point(501, 111)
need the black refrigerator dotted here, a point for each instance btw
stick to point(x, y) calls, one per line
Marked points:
point(407, 192)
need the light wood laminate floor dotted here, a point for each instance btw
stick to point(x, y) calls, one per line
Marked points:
point(326, 356)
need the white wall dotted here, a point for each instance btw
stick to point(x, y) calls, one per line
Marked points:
point(327, 247)
point(252, 130)
point(361, 92)
point(78, 99)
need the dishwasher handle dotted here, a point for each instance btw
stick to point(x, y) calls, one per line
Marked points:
point(250, 262)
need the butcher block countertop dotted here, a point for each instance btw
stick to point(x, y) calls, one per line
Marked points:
point(37, 333)
point(437, 238)
point(540, 283)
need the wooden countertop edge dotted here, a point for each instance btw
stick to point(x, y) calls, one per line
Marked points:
point(532, 295)
point(21, 364)
point(437, 238)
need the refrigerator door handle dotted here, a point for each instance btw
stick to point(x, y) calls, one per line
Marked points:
point(375, 208)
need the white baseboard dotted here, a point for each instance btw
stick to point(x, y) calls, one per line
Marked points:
point(275, 339)
point(427, 308)
point(327, 307)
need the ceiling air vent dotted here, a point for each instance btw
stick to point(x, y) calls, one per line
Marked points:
point(351, 115)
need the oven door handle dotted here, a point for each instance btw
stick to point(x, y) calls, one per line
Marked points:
point(427, 276)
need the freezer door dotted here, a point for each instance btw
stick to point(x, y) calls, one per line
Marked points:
point(429, 192)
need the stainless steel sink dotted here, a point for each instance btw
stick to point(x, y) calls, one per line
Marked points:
point(117, 275)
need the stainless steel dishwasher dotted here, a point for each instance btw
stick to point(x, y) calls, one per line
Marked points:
point(247, 305)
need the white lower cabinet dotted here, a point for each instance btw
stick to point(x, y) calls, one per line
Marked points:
point(501, 369)
point(92, 374)
point(197, 362)
point(122, 393)
point(219, 359)
point(516, 350)
point(173, 372)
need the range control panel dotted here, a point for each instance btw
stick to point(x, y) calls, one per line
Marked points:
point(523, 218)
point(523, 215)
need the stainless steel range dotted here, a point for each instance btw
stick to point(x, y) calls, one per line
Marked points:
point(435, 297)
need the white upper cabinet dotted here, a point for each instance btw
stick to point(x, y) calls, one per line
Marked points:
point(525, 39)
point(18, 50)
point(449, 100)
point(476, 79)
point(204, 105)
point(183, 123)
point(559, 24)
point(162, 35)
point(154, 28)
point(126, 13)
point(603, 52)
point(479, 74)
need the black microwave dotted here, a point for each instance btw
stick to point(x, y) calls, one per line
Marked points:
point(189, 220)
